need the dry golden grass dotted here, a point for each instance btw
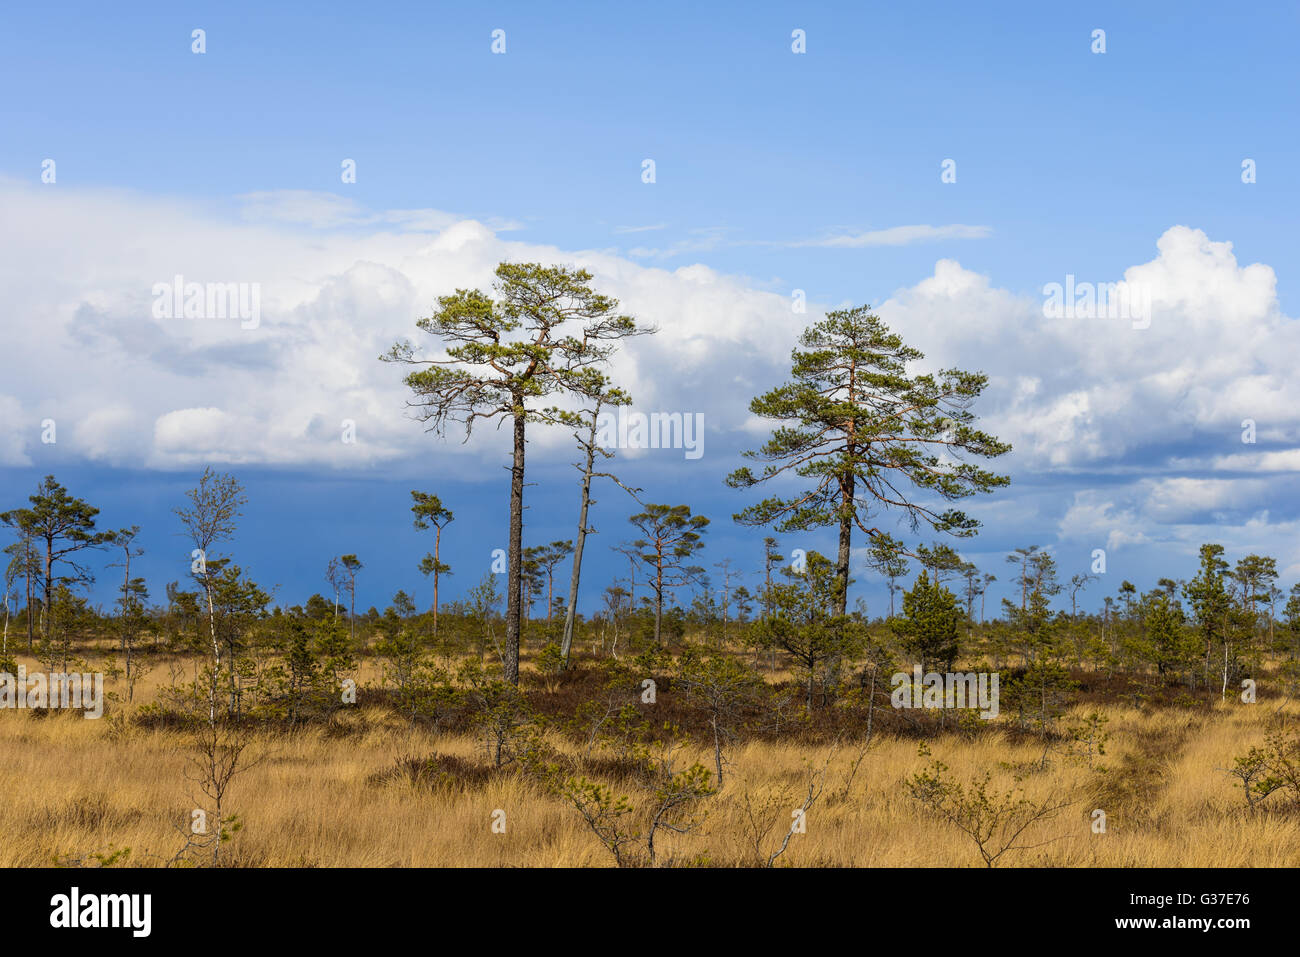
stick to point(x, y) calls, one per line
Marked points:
point(72, 788)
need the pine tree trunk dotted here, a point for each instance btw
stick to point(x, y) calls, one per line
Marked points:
point(846, 540)
point(513, 578)
point(27, 568)
point(842, 569)
point(437, 563)
point(48, 620)
point(126, 581)
point(659, 599)
point(571, 612)
point(717, 747)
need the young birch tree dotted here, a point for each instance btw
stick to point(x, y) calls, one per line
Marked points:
point(337, 577)
point(124, 539)
point(215, 505)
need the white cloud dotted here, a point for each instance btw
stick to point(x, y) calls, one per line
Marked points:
point(713, 237)
point(1287, 460)
point(898, 236)
point(14, 426)
point(1075, 393)
point(696, 241)
point(1097, 521)
point(1180, 499)
point(320, 210)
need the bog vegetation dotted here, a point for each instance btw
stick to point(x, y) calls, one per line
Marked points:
point(686, 720)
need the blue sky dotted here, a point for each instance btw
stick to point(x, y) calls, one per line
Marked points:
point(774, 172)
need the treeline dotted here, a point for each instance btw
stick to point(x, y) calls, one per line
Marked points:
point(1203, 634)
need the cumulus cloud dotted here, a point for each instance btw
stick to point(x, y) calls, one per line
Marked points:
point(135, 389)
point(1081, 392)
